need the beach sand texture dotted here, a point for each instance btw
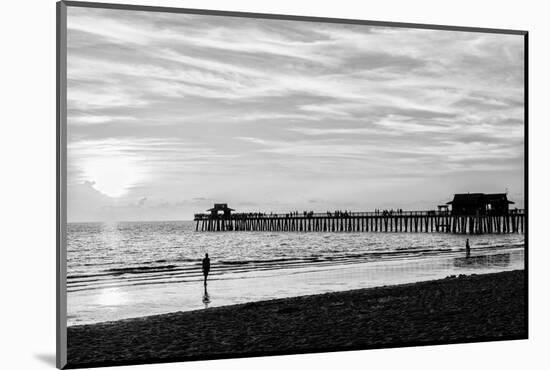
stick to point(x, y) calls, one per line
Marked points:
point(480, 307)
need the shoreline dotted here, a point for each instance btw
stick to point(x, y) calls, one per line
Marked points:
point(174, 294)
point(458, 309)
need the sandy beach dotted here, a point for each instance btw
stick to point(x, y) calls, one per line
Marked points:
point(455, 309)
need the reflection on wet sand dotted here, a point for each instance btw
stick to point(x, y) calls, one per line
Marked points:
point(206, 298)
point(492, 260)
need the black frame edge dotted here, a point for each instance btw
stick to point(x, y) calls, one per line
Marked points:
point(526, 175)
point(61, 183)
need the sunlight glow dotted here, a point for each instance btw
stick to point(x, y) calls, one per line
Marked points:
point(112, 176)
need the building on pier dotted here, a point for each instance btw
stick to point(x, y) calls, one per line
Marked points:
point(480, 204)
point(220, 207)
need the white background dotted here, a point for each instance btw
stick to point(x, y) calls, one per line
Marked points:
point(27, 243)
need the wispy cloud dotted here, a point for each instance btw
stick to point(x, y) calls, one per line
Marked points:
point(85, 119)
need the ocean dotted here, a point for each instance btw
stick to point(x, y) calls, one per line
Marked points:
point(133, 269)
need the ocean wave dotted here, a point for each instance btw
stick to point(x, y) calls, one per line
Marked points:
point(263, 261)
point(138, 269)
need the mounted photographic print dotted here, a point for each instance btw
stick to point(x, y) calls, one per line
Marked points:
point(236, 184)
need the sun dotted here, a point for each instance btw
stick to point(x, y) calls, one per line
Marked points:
point(114, 175)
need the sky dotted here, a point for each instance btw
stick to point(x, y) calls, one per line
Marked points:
point(170, 113)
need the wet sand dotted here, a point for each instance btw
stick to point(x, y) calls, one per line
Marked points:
point(458, 309)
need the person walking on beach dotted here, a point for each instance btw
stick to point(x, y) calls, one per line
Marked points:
point(467, 247)
point(205, 268)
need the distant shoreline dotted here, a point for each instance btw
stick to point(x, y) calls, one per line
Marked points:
point(467, 308)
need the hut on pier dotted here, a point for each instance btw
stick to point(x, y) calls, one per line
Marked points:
point(220, 207)
point(480, 204)
point(498, 204)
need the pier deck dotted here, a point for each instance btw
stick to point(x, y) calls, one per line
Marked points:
point(406, 221)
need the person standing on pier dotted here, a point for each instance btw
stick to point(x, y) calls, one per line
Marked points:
point(205, 268)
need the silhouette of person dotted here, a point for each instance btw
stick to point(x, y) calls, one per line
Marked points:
point(205, 268)
point(467, 247)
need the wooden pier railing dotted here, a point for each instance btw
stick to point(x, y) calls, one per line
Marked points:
point(405, 221)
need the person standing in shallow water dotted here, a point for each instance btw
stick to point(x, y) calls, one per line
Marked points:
point(205, 268)
point(467, 247)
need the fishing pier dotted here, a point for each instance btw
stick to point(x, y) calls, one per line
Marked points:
point(221, 218)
